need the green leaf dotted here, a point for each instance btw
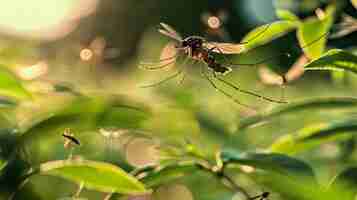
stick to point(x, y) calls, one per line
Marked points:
point(312, 33)
point(314, 135)
point(266, 33)
point(275, 162)
point(169, 174)
point(3, 164)
point(334, 60)
point(296, 188)
point(286, 15)
point(95, 175)
point(291, 108)
point(6, 103)
point(89, 113)
point(346, 181)
point(10, 86)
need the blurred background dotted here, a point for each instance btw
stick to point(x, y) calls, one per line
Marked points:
point(94, 47)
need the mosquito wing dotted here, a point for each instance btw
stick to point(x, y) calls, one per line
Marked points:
point(170, 32)
point(169, 54)
point(225, 48)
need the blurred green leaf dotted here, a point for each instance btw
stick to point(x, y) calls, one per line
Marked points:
point(312, 33)
point(10, 86)
point(346, 181)
point(96, 175)
point(275, 162)
point(169, 174)
point(92, 112)
point(6, 103)
point(3, 164)
point(66, 87)
point(291, 108)
point(296, 188)
point(314, 135)
point(334, 59)
point(266, 33)
point(286, 15)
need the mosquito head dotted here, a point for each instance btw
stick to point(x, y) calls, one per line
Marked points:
point(193, 42)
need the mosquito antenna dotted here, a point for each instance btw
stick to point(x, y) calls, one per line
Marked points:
point(248, 92)
point(159, 61)
point(161, 66)
point(164, 80)
point(225, 93)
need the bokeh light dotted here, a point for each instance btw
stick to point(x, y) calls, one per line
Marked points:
point(32, 71)
point(214, 22)
point(42, 19)
point(86, 54)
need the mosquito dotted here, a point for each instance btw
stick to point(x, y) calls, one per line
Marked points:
point(191, 46)
point(198, 49)
point(70, 139)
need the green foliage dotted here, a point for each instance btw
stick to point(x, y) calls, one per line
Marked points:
point(3, 164)
point(194, 132)
point(312, 33)
point(10, 86)
point(267, 33)
point(275, 162)
point(298, 106)
point(346, 182)
point(97, 175)
point(335, 60)
point(314, 135)
point(169, 174)
point(286, 15)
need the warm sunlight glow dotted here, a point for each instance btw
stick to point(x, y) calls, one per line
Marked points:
point(33, 71)
point(247, 169)
point(86, 54)
point(43, 19)
point(214, 22)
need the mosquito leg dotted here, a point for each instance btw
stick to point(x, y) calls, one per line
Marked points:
point(184, 73)
point(220, 51)
point(225, 93)
point(164, 80)
point(248, 92)
point(161, 60)
point(160, 66)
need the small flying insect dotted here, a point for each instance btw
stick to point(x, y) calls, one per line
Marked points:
point(263, 196)
point(197, 48)
point(192, 46)
point(69, 139)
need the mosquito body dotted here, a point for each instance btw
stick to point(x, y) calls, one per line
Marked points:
point(70, 139)
point(191, 47)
